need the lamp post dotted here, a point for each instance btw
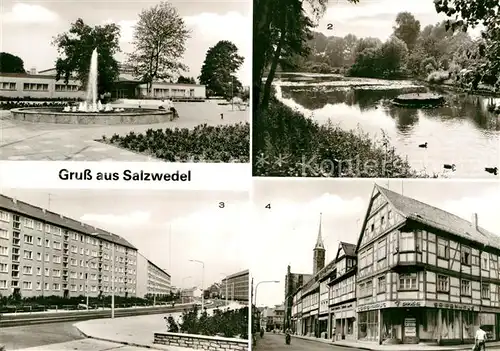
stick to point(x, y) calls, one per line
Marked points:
point(263, 282)
point(87, 281)
point(202, 278)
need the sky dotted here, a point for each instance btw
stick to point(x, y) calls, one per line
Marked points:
point(29, 26)
point(200, 230)
point(375, 18)
point(286, 233)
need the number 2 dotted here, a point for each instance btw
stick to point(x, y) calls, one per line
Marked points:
point(329, 26)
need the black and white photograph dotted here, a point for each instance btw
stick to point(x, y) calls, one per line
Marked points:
point(376, 265)
point(125, 81)
point(100, 270)
point(376, 89)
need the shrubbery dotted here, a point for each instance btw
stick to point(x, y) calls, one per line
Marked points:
point(229, 143)
point(8, 105)
point(287, 144)
point(226, 323)
point(16, 303)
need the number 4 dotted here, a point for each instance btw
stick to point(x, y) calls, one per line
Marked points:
point(268, 206)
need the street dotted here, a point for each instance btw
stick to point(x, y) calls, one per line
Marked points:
point(277, 342)
point(54, 337)
point(15, 338)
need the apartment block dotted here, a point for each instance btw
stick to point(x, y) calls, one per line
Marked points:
point(45, 253)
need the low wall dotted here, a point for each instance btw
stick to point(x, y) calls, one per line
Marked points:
point(200, 342)
point(113, 118)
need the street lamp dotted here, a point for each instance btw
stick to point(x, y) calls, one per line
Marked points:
point(263, 282)
point(87, 280)
point(202, 278)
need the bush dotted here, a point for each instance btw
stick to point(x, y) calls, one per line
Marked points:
point(287, 144)
point(227, 323)
point(229, 143)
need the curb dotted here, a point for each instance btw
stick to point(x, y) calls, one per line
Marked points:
point(115, 341)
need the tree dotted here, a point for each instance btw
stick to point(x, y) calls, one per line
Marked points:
point(217, 72)
point(471, 13)
point(186, 80)
point(11, 63)
point(407, 29)
point(159, 43)
point(75, 49)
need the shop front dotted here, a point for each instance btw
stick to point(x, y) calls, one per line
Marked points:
point(323, 326)
point(345, 321)
point(410, 322)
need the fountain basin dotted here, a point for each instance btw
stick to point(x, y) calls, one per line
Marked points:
point(57, 116)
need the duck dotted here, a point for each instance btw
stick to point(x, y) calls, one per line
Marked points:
point(492, 170)
point(452, 167)
point(424, 145)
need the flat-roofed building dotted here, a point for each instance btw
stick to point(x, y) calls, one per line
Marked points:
point(43, 253)
point(237, 286)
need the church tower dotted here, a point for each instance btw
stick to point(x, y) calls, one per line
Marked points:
point(319, 252)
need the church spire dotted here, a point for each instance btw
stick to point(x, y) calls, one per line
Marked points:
point(319, 240)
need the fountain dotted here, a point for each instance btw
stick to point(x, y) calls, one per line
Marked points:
point(91, 109)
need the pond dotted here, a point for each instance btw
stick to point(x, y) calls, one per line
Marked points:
point(462, 132)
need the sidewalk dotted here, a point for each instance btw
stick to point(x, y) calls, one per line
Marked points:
point(366, 345)
point(134, 331)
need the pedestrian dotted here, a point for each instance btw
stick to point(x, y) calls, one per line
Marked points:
point(480, 340)
point(221, 116)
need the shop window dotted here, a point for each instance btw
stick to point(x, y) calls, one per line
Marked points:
point(465, 288)
point(443, 283)
point(485, 291)
point(408, 281)
point(450, 324)
point(443, 249)
point(466, 255)
point(470, 324)
point(368, 325)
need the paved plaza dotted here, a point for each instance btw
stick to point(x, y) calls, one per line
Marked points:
point(57, 142)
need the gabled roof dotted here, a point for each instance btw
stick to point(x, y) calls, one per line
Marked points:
point(349, 249)
point(436, 218)
point(35, 212)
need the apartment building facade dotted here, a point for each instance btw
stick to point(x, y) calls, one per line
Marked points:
point(425, 274)
point(237, 286)
point(151, 279)
point(43, 253)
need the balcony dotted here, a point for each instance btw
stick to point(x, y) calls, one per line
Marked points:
point(16, 242)
point(15, 258)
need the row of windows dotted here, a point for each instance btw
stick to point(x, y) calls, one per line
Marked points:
point(51, 229)
point(57, 287)
point(38, 86)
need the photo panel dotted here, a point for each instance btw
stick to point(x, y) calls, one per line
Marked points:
point(376, 89)
point(375, 264)
point(97, 269)
point(126, 81)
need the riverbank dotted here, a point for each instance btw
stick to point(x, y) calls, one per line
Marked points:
point(287, 144)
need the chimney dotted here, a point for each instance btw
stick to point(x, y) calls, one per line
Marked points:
point(62, 217)
point(33, 70)
point(14, 200)
point(43, 210)
point(474, 221)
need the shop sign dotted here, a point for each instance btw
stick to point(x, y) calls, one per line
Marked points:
point(342, 307)
point(409, 304)
point(453, 306)
point(373, 306)
point(410, 327)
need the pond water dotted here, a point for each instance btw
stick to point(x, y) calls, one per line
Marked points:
point(462, 132)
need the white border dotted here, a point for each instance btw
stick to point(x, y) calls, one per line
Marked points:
point(204, 176)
